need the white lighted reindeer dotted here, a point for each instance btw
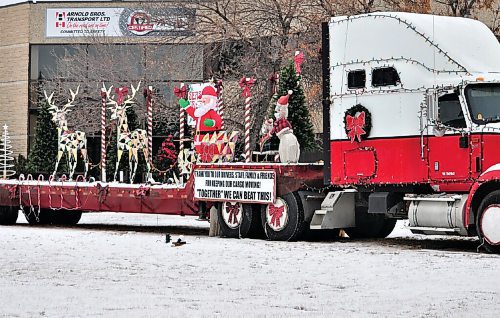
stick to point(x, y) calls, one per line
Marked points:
point(68, 141)
point(131, 141)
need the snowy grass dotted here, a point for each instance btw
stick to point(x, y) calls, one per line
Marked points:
point(118, 265)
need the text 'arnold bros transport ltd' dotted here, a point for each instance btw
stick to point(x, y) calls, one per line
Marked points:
point(235, 185)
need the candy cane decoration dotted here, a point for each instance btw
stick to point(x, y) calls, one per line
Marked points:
point(103, 134)
point(220, 102)
point(246, 83)
point(181, 93)
point(148, 93)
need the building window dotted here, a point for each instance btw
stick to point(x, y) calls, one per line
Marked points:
point(356, 79)
point(385, 76)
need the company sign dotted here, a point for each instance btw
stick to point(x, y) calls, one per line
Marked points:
point(78, 22)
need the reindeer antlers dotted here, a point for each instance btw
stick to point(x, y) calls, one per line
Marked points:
point(70, 101)
point(120, 102)
point(52, 104)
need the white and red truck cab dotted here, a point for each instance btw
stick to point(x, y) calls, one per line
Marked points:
point(412, 117)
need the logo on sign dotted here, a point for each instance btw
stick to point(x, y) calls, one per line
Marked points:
point(60, 19)
point(140, 23)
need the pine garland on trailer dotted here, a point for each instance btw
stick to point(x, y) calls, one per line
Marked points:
point(298, 113)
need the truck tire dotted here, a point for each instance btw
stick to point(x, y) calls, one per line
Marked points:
point(8, 215)
point(370, 225)
point(284, 220)
point(488, 222)
point(45, 216)
point(235, 219)
point(66, 217)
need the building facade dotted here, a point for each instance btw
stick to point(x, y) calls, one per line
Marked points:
point(58, 45)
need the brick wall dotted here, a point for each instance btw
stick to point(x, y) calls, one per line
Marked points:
point(14, 60)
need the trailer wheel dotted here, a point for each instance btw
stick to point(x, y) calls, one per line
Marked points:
point(66, 217)
point(370, 225)
point(488, 222)
point(8, 215)
point(235, 219)
point(45, 216)
point(283, 220)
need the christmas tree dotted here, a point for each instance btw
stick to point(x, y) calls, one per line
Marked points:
point(298, 114)
point(165, 159)
point(6, 159)
point(43, 154)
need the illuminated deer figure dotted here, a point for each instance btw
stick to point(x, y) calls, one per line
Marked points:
point(69, 141)
point(131, 141)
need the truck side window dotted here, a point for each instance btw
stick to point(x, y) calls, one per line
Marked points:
point(356, 79)
point(450, 111)
point(385, 76)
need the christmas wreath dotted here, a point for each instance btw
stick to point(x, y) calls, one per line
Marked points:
point(357, 123)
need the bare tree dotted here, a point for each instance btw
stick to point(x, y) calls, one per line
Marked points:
point(465, 8)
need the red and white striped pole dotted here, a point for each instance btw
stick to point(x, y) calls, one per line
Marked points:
point(246, 83)
point(103, 134)
point(149, 102)
point(182, 120)
point(220, 102)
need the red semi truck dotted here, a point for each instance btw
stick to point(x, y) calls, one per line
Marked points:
point(411, 107)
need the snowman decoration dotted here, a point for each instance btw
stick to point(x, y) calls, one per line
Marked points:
point(289, 148)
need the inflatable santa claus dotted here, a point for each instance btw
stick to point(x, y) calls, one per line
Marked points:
point(207, 120)
point(289, 149)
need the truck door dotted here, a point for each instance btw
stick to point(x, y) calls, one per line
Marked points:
point(449, 155)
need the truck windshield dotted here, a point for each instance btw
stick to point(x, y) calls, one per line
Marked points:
point(484, 102)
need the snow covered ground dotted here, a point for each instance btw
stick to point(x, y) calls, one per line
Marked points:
point(118, 265)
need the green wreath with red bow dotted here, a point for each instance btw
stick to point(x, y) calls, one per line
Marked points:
point(357, 123)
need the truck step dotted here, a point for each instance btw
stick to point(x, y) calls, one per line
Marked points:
point(434, 230)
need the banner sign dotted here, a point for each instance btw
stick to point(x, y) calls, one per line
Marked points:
point(78, 22)
point(235, 185)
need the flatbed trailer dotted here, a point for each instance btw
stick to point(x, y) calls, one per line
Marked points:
point(35, 197)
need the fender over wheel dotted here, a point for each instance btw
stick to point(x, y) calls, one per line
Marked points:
point(283, 220)
point(8, 215)
point(488, 222)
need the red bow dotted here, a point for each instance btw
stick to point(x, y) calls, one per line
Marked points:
point(233, 210)
point(298, 60)
point(276, 213)
point(121, 91)
point(355, 126)
point(180, 92)
point(246, 84)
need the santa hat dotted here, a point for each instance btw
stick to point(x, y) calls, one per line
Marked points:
point(209, 91)
point(283, 100)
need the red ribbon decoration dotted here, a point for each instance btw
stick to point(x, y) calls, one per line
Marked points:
point(298, 60)
point(246, 84)
point(276, 213)
point(233, 210)
point(355, 126)
point(121, 91)
point(180, 92)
